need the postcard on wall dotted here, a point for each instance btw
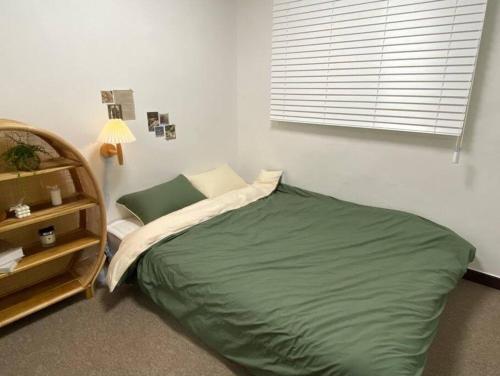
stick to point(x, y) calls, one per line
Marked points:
point(107, 96)
point(164, 119)
point(170, 132)
point(160, 131)
point(126, 99)
point(114, 111)
point(153, 120)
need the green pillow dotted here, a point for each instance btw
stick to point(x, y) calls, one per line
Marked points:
point(157, 201)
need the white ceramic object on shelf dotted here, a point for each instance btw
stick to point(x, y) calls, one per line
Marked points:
point(55, 195)
point(21, 211)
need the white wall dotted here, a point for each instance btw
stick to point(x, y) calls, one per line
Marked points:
point(178, 56)
point(411, 172)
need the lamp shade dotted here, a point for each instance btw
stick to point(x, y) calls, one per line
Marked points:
point(116, 132)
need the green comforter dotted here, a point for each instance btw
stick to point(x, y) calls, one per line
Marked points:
point(303, 284)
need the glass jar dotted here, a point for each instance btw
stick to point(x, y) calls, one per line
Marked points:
point(47, 236)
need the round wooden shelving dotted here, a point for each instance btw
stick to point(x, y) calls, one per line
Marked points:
point(47, 275)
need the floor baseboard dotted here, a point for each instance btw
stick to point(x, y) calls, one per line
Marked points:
point(482, 278)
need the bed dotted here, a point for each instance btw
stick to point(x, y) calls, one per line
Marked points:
point(289, 282)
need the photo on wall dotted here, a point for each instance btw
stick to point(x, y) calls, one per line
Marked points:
point(170, 132)
point(107, 96)
point(153, 121)
point(160, 131)
point(115, 111)
point(164, 120)
point(125, 98)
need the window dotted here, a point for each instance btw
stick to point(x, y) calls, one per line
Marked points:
point(404, 65)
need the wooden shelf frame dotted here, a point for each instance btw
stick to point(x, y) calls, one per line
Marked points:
point(66, 244)
point(46, 167)
point(27, 301)
point(46, 276)
point(46, 212)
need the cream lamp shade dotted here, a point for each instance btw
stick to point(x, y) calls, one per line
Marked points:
point(115, 132)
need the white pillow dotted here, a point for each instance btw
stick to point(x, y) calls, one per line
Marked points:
point(216, 182)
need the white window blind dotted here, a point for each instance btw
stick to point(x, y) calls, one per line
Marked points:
point(404, 65)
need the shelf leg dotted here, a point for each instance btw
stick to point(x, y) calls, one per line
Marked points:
point(89, 292)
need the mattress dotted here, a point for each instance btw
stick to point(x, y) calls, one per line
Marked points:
point(299, 283)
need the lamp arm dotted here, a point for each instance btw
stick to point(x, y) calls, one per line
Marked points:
point(108, 150)
point(120, 153)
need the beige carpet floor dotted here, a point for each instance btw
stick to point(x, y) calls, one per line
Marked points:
point(125, 334)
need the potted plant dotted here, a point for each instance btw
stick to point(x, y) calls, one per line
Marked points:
point(23, 156)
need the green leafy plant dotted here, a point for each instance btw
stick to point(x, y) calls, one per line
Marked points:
point(22, 156)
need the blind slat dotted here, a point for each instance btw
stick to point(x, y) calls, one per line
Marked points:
point(394, 106)
point(306, 6)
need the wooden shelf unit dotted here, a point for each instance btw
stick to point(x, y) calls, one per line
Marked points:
point(24, 302)
point(47, 167)
point(36, 255)
point(45, 212)
point(45, 276)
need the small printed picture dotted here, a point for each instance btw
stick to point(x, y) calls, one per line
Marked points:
point(107, 96)
point(164, 119)
point(114, 111)
point(170, 132)
point(153, 120)
point(160, 131)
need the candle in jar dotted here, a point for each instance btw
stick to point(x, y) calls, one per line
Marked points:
point(55, 195)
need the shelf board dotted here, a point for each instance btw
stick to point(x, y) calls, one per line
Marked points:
point(46, 167)
point(46, 211)
point(37, 297)
point(68, 243)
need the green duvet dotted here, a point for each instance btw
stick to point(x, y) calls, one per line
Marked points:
point(303, 284)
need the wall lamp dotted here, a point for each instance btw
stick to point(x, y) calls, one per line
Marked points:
point(115, 132)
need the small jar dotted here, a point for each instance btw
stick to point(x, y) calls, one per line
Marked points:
point(47, 236)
